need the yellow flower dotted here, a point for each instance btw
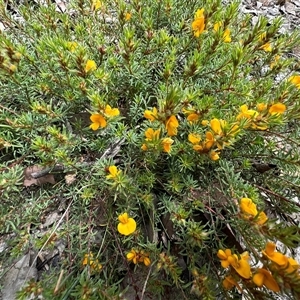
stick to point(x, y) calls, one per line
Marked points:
point(198, 25)
point(295, 80)
point(167, 142)
point(171, 125)
point(96, 4)
point(113, 172)
point(266, 47)
point(277, 108)
point(97, 121)
point(204, 122)
point(93, 263)
point(152, 135)
point(72, 46)
point(276, 257)
point(248, 207)
point(214, 155)
point(210, 140)
point(144, 147)
point(241, 266)
point(247, 113)
point(111, 112)
point(137, 256)
point(263, 277)
point(90, 66)
point(127, 16)
point(127, 225)
point(261, 219)
point(198, 148)
point(151, 115)
point(226, 34)
point(261, 106)
point(194, 138)
point(292, 265)
point(223, 256)
point(193, 117)
point(217, 126)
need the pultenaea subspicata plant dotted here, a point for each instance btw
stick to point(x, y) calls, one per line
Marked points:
point(174, 129)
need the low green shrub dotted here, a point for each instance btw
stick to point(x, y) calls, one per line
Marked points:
point(166, 136)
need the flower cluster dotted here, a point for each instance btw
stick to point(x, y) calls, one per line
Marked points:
point(281, 265)
point(226, 34)
point(249, 212)
point(100, 119)
point(239, 263)
point(153, 141)
point(137, 256)
point(221, 135)
point(259, 119)
point(89, 260)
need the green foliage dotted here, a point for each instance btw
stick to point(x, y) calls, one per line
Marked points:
point(185, 119)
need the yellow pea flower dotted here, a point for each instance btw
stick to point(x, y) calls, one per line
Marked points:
point(171, 125)
point(151, 115)
point(295, 80)
point(113, 172)
point(127, 16)
point(277, 108)
point(248, 207)
point(194, 138)
point(247, 113)
point(111, 112)
point(275, 256)
point(96, 4)
point(127, 225)
point(198, 25)
point(266, 47)
point(167, 142)
point(263, 277)
point(90, 66)
point(97, 121)
point(261, 106)
point(151, 134)
point(214, 155)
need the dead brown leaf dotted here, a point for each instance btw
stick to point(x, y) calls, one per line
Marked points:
point(28, 180)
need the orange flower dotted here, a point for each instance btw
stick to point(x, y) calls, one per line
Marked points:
point(137, 256)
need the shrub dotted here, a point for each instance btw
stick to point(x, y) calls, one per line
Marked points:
point(166, 136)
